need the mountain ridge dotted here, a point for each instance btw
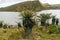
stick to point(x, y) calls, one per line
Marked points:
point(30, 5)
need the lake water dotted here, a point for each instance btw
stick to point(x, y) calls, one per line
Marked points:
point(12, 17)
point(9, 17)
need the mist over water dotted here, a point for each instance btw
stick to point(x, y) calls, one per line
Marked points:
point(12, 17)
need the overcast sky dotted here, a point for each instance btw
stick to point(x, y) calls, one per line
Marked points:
point(9, 2)
point(51, 1)
point(4, 3)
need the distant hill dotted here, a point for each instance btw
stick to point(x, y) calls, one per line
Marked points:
point(30, 5)
point(48, 6)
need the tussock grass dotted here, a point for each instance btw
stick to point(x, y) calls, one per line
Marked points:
point(17, 34)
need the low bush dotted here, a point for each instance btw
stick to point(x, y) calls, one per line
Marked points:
point(59, 29)
point(19, 25)
point(5, 26)
point(52, 29)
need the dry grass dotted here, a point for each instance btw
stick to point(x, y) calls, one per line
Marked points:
point(17, 34)
point(5, 33)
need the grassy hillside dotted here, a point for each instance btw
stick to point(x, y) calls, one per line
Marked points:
point(30, 5)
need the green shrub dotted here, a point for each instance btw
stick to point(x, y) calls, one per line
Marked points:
point(19, 25)
point(52, 29)
point(43, 18)
point(59, 29)
point(1, 24)
point(53, 20)
point(5, 26)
